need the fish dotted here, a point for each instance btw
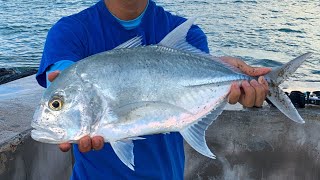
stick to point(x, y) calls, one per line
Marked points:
point(135, 90)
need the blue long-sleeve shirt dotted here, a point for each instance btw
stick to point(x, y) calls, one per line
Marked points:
point(96, 30)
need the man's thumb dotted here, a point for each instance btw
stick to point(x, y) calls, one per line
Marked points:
point(53, 75)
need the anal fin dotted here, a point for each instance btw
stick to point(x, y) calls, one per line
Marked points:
point(195, 133)
point(195, 137)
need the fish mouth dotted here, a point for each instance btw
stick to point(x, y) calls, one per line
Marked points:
point(45, 135)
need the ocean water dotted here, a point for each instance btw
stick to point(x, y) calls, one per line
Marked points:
point(263, 33)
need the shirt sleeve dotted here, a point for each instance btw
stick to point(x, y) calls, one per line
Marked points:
point(66, 40)
point(198, 39)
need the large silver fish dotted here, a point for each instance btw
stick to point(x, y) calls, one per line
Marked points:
point(135, 90)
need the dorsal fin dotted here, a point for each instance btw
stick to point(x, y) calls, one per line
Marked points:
point(131, 43)
point(178, 35)
point(177, 39)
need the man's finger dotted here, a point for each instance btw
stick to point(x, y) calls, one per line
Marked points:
point(85, 144)
point(251, 71)
point(256, 71)
point(247, 98)
point(65, 147)
point(260, 93)
point(264, 84)
point(97, 142)
point(234, 93)
point(53, 75)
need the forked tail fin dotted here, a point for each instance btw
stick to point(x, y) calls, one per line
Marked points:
point(276, 95)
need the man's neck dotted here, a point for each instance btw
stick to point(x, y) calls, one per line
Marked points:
point(126, 9)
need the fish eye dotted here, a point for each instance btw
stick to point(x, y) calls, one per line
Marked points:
point(56, 103)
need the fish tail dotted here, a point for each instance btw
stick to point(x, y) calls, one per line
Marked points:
point(276, 95)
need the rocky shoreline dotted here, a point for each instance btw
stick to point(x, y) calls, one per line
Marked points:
point(11, 74)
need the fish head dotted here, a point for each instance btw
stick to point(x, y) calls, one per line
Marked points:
point(63, 114)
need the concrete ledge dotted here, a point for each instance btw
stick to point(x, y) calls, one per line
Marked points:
point(32, 160)
point(260, 144)
point(18, 100)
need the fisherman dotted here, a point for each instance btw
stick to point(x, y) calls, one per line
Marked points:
point(102, 27)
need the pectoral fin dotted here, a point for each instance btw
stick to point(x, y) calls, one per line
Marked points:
point(148, 110)
point(124, 151)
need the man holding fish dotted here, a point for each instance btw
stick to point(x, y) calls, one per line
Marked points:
point(103, 27)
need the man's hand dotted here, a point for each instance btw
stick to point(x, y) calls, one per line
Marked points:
point(251, 93)
point(85, 143)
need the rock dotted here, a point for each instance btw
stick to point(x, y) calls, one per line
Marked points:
point(11, 74)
